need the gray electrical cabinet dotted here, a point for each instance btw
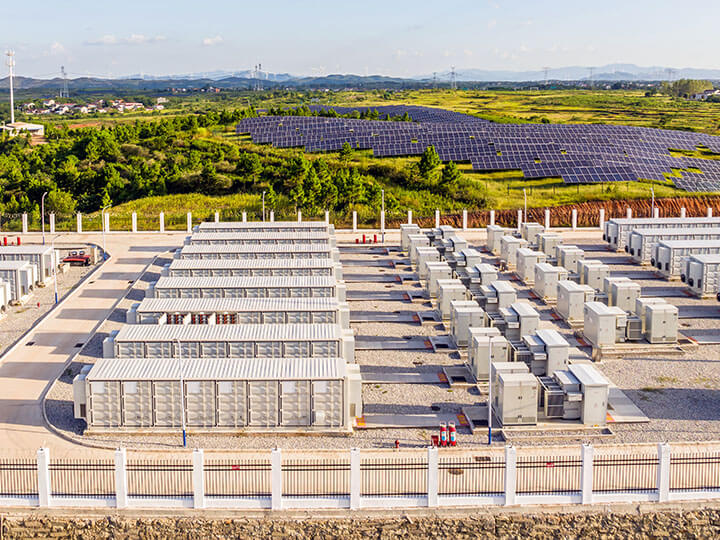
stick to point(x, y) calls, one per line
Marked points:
point(517, 399)
point(416, 241)
point(592, 272)
point(661, 323)
point(464, 314)
point(569, 256)
point(496, 369)
point(547, 277)
point(520, 319)
point(571, 299)
point(595, 390)
point(623, 294)
point(548, 242)
point(406, 230)
point(550, 351)
point(494, 234)
point(449, 290)
point(600, 324)
point(508, 250)
point(530, 231)
point(526, 261)
point(435, 272)
point(702, 274)
point(487, 349)
point(425, 254)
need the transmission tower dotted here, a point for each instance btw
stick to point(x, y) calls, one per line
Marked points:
point(546, 69)
point(592, 72)
point(453, 78)
point(260, 77)
point(670, 73)
point(434, 79)
point(65, 93)
point(11, 64)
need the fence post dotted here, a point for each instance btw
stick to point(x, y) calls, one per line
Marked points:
point(121, 480)
point(492, 217)
point(437, 218)
point(52, 223)
point(272, 216)
point(510, 474)
point(709, 211)
point(628, 213)
point(299, 216)
point(519, 220)
point(574, 219)
point(663, 478)
point(24, 223)
point(601, 221)
point(547, 219)
point(106, 222)
point(586, 477)
point(162, 222)
point(355, 479)
point(44, 487)
point(354, 221)
point(134, 222)
point(327, 217)
point(78, 219)
point(409, 217)
point(217, 217)
point(189, 222)
point(276, 472)
point(683, 212)
point(198, 478)
point(433, 477)
point(656, 213)
point(244, 217)
point(464, 220)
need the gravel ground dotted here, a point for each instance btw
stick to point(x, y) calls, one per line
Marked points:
point(679, 394)
point(18, 319)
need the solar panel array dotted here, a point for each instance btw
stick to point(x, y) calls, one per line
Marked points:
point(578, 153)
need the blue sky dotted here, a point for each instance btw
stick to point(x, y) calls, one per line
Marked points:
point(391, 37)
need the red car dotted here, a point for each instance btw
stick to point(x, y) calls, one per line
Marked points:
point(77, 258)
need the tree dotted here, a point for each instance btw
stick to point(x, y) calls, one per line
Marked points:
point(297, 196)
point(429, 162)
point(346, 150)
point(313, 191)
point(271, 198)
point(60, 202)
point(450, 177)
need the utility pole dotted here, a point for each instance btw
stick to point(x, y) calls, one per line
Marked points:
point(42, 211)
point(263, 203)
point(11, 64)
point(182, 391)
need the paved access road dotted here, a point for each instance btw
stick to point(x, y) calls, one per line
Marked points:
point(28, 370)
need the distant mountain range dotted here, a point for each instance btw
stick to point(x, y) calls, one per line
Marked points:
point(246, 79)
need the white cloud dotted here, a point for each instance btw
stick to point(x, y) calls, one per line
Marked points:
point(134, 39)
point(210, 41)
point(56, 49)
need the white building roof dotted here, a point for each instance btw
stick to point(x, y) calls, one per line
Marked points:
point(26, 249)
point(188, 264)
point(230, 332)
point(259, 235)
point(118, 369)
point(244, 282)
point(267, 225)
point(190, 305)
point(258, 248)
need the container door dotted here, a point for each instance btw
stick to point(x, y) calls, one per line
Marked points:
point(167, 403)
point(295, 403)
point(323, 292)
point(323, 317)
point(137, 403)
point(105, 404)
point(263, 403)
point(300, 292)
point(273, 317)
point(327, 403)
point(231, 404)
point(277, 292)
point(297, 349)
point(299, 317)
point(324, 349)
point(269, 349)
point(200, 403)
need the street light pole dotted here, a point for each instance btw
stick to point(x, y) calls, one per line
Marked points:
point(382, 191)
point(42, 211)
point(525, 197)
point(102, 225)
point(263, 200)
point(52, 244)
point(182, 392)
point(652, 210)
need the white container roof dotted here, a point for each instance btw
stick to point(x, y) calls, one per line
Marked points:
point(14, 265)
point(678, 231)
point(116, 369)
point(171, 305)
point(230, 332)
point(258, 248)
point(259, 235)
point(244, 282)
point(244, 225)
point(26, 249)
point(220, 264)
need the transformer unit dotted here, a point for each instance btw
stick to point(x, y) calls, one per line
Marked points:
point(425, 255)
point(483, 274)
point(468, 258)
point(252, 267)
point(240, 311)
point(406, 229)
point(568, 257)
point(519, 319)
point(247, 251)
point(257, 394)
point(498, 368)
point(548, 350)
point(547, 277)
point(486, 347)
point(260, 238)
point(617, 231)
point(493, 297)
point(548, 242)
point(623, 294)
point(530, 231)
point(517, 399)
point(436, 271)
point(509, 246)
point(44, 258)
point(252, 287)
point(595, 390)
point(494, 234)
point(642, 242)
point(416, 241)
point(264, 226)
point(592, 272)
point(453, 243)
point(702, 275)
point(20, 276)
point(449, 290)
point(443, 232)
point(464, 314)
point(669, 256)
point(526, 261)
point(641, 305)
point(578, 393)
point(571, 299)
point(608, 325)
point(661, 323)
point(231, 341)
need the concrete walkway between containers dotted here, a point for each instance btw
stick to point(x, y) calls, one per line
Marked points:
point(28, 369)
